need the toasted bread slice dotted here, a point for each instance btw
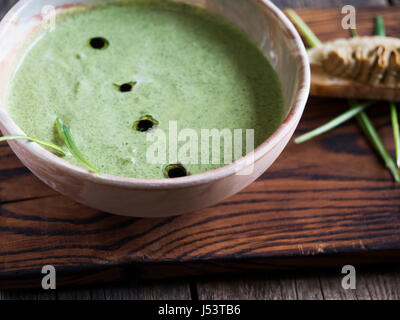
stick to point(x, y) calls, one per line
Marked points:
point(360, 68)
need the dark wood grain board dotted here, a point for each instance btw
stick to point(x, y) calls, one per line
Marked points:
point(324, 203)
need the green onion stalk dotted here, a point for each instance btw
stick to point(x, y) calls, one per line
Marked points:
point(32, 139)
point(66, 134)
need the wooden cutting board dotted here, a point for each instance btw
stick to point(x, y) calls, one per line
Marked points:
point(328, 202)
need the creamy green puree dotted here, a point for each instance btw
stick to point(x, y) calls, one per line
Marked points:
point(185, 64)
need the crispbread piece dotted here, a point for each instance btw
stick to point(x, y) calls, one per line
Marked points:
point(361, 67)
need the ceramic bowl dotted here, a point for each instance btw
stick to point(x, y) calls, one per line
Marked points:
point(265, 24)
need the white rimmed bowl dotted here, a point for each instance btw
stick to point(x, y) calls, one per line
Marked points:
point(265, 24)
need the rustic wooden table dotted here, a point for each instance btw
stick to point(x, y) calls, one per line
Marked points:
point(378, 283)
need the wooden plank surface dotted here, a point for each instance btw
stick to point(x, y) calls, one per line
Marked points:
point(382, 286)
point(370, 285)
point(319, 285)
point(171, 290)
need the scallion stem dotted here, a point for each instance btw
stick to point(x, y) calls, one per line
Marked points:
point(351, 113)
point(370, 131)
point(380, 29)
point(66, 135)
point(303, 28)
point(38, 141)
point(354, 33)
point(396, 131)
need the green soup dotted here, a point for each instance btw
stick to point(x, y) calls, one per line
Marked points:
point(103, 70)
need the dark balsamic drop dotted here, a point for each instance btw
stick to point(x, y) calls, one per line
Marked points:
point(173, 171)
point(126, 87)
point(145, 124)
point(99, 43)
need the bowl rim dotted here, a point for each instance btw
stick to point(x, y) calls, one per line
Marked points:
point(291, 120)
